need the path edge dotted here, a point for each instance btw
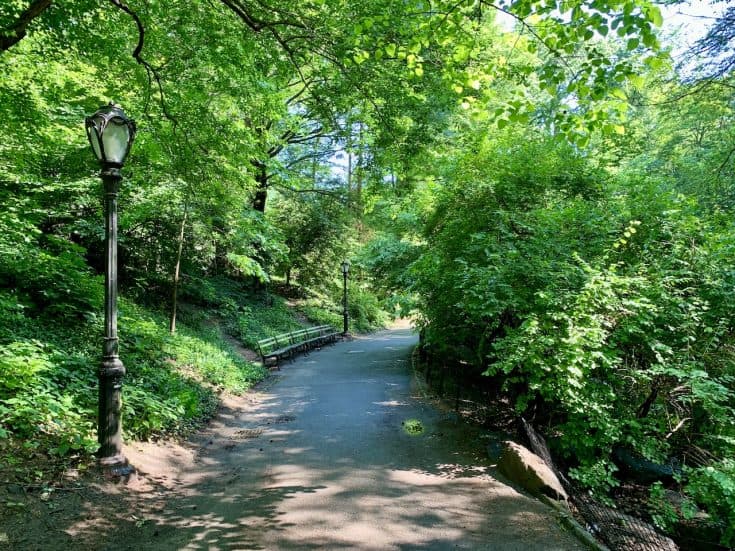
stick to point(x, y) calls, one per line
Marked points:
point(565, 517)
point(569, 522)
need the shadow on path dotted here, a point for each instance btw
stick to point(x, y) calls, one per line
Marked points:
point(319, 458)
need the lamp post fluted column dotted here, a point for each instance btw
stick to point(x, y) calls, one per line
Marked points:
point(345, 310)
point(111, 134)
point(111, 370)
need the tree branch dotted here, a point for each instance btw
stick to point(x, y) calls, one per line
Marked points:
point(726, 161)
point(559, 55)
point(328, 192)
point(307, 157)
point(256, 25)
point(318, 133)
point(13, 34)
point(151, 71)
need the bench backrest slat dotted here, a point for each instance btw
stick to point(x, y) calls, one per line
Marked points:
point(297, 337)
point(267, 345)
point(293, 338)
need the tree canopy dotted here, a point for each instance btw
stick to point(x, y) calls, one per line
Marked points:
point(537, 182)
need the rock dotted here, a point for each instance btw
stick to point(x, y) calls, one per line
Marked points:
point(529, 471)
point(639, 469)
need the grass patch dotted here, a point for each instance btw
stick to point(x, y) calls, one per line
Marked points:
point(48, 388)
point(260, 320)
point(414, 427)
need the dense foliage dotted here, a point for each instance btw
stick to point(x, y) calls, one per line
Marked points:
point(594, 285)
point(537, 182)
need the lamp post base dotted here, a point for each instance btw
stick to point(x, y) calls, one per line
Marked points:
point(117, 468)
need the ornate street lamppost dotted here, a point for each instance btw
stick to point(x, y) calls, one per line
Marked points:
point(111, 133)
point(345, 271)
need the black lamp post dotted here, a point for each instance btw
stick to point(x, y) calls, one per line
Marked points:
point(345, 271)
point(111, 133)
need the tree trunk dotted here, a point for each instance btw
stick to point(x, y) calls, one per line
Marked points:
point(261, 189)
point(315, 163)
point(219, 232)
point(349, 170)
point(360, 168)
point(177, 268)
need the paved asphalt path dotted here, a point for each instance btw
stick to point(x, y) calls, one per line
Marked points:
point(319, 458)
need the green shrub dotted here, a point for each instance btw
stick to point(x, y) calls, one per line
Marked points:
point(48, 386)
point(41, 396)
point(365, 310)
point(322, 312)
point(260, 320)
point(604, 311)
point(713, 487)
point(50, 271)
point(663, 513)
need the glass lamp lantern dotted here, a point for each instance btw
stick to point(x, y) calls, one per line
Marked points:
point(111, 134)
point(345, 267)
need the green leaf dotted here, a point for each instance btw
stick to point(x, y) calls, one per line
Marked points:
point(636, 80)
point(618, 93)
point(654, 15)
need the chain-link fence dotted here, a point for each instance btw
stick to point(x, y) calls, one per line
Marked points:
point(620, 532)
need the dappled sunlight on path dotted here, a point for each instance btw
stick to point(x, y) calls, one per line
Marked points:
point(319, 458)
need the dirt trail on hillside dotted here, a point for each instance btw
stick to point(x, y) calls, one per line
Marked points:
point(335, 451)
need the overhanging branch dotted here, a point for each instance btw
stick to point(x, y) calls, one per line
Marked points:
point(319, 191)
point(14, 33)
point(151, 71)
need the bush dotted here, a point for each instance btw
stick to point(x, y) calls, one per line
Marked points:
point(260, 320)
point(607, 316)
point(43, 396)
point(365, 311)
point(322, 312)
point(713, 487)
point(49, 385)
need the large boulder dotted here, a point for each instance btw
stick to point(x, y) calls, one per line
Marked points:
point(529, 471)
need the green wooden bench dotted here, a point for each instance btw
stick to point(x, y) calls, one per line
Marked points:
point(286, 345)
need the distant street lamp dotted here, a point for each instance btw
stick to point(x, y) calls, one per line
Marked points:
point(111, 133)
point(345, 271)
